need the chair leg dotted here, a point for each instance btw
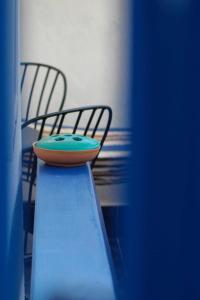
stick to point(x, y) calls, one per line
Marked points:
point(26, 232)
point(30, 192)
point(25, 242)
point(28, 209)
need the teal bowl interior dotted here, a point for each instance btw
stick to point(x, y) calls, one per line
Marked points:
point(68, 142)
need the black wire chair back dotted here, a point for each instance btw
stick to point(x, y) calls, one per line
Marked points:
point(43, 89)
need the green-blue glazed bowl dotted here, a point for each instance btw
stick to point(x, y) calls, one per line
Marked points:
point(66, 149)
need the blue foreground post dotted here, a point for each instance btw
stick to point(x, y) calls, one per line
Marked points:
point(11, 234)
point(165, 185)
point(71, 258)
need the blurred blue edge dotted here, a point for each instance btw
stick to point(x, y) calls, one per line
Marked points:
point(163, 223)
point(11, 239)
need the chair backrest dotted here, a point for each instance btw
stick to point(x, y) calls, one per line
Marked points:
point(92, 121)
point(43, 89)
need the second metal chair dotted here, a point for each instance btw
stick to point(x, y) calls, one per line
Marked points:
point(43, 89)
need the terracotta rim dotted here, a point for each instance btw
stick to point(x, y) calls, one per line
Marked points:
point(67, 165)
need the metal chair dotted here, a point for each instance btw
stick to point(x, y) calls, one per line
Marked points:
point(41, 86)
point(93, 121)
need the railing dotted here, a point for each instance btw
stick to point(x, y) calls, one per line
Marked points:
point(71, 255)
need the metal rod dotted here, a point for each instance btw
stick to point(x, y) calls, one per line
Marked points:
point(31, 92)
point(77, 121)
point(42, 92)
point(51, 93)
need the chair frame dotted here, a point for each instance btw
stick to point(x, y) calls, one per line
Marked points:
point(56, 128)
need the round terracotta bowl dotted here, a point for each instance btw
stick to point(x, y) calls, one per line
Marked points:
point(66, 149)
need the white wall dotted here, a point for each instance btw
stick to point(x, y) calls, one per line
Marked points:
point(85, 39)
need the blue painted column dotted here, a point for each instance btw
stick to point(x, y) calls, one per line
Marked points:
point(165, 191)
point(11, 238)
